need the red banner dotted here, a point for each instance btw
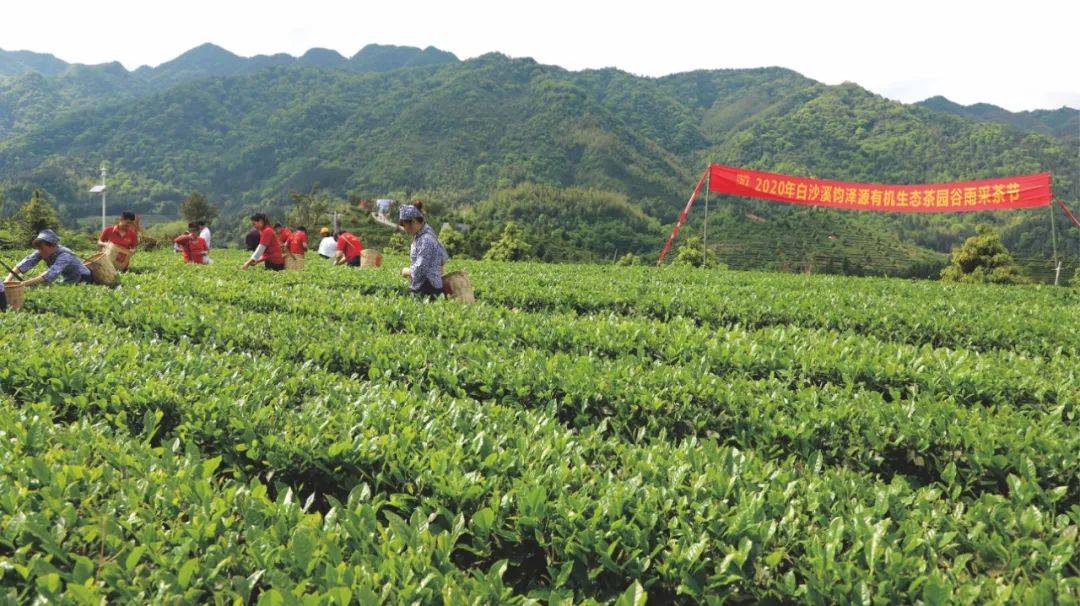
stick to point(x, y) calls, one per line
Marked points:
point(988, 194)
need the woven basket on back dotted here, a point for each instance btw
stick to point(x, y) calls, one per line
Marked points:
point(118, 256)
point(294, 262)
point(102, 270)
point(456, 285)
point(15, 296)
point(370, 258)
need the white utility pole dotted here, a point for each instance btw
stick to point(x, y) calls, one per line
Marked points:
point(100, 189)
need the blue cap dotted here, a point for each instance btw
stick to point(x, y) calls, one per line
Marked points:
point(48, 236)
point(408, 212)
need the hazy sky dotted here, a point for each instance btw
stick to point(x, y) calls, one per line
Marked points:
point(1020, 55)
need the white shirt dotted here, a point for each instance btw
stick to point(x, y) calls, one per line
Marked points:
point(328, 247)
point(205, 235)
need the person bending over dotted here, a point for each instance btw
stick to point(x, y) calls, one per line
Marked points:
point(61, 262)
point(193, 246)
point(348, 249)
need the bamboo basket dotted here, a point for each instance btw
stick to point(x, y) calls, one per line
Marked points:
point(15, 296)
point(456, 285)
point(370, 258)
point(102, 270)
point(294, 262)
point(118, 256)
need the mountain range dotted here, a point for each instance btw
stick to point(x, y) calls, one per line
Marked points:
point(1063, 122)
point(410, 122)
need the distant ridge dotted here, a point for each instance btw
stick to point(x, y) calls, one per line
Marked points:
point(210, 60)
point(322, 57)
point(1062, 122)
point(17, 63)
point(381, 58)
point(37, 86)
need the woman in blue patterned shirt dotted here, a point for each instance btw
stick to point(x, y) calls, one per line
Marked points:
point(426, 255)
point(61, 262)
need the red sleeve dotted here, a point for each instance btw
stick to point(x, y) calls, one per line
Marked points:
point(105, 234)
point(183, 240)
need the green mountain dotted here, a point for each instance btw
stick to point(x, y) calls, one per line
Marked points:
point(478, 125)
point(1063, 122)
point(408, 123)
point(35, 87)
point(17, 63)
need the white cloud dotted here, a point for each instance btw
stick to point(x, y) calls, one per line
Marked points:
point(1019, 56)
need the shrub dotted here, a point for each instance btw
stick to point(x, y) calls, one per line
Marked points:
point(983, 259)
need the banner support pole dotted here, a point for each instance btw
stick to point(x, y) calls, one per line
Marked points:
point(1068, 213)
point(682, 216)
point(705, 230)
point(1053, 235)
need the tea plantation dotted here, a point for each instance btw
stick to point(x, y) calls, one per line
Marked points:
point(584, 434)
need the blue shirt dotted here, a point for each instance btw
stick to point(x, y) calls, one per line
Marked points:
point(428, 257)
point(63, 263)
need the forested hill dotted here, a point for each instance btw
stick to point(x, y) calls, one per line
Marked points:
point(211, 60)
point(408, 122)
point(1063, 122)
point(35, 87)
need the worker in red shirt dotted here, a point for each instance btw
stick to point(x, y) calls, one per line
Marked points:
point(349, 249)
point(269, 249)
point(124, 236)
point(193, 246)
point(284, 233)
point(298, 242)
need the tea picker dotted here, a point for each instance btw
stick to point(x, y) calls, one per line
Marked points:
point(61, 262)
point(296, 249)
point(193, 246)
point(119, 241)
point(349, 249)
point(426, 254)
point(268, 252)
point(328, 245)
